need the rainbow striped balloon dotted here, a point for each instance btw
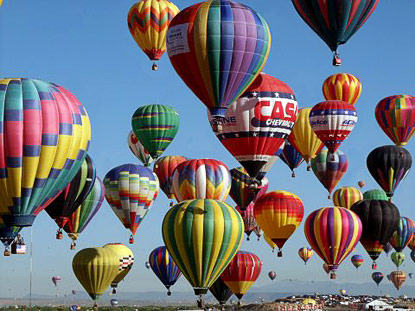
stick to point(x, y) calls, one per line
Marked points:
point(164, 168)
point(357, 260)
point(333, 232)
point(403, 235)
point(347, 196)
point(342, 86)
point(305, 254)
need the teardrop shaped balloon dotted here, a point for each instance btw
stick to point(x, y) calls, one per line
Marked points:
point(332, 121)
point(148, 22)
point(46, 133)
point(256, 125)
point(305, 254)
point(242, 272)
point(302, 137)
point(164, 168)
point(346, 196)
point(326, 268)
point(201, 179)
point(357, 260)
point(95, 268)
point(330, 168)
point(244, 188)
point(248, 217)
point(272, 275)
point(342, 86)
point(291, 157)
point(279, 213)
point(375, 194)
point(335, 22)
point(138, 149)
point(398, 278)
point(186, 228)
point(403, 235)
point(361, 183)
point(398, 258)
point(130, 190)
point(377, 277)
point(387, 248)
point(389, 165)
point(155, 127)
point(396, 117)
point(333, 233)
point(218, 48)
point(220, 291)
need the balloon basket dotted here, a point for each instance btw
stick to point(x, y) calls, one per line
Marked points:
point(169, 293)
point(171, 203)
point(114, 291)
point(131, 240)
point(59, 235)
point(279, 254)
point(329, 197)
point(337, 61)
point(7, 252)
point(333, 276)
point(308, 168)
point(155, 67)
point(73, 245)
point(293, 174)
point(259, 238)
point(374, 266)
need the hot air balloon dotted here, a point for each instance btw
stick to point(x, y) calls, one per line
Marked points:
point(346, 196)
point(65, 204)
point(270, 242)
point(291, 157)
point(387, 248)
point(248, 216)
point(335, 22)
point(272, 275)
point(95, 268)
point(411, 244)
point(302, 137)
point(147, 265)
point(305, 254)
point(256, 125)
point(332, 121)
point(377, 277)
point(138, 149)
point(82, 216)
point(398, 258)
point(342, 292)
point(46, 133)
point(258, 232)
point(267, 166)
point(201, 179)
point(73, 292)
point(130, 191)
point(279, 213)
point(329, 168)
point(208, 220)
point(398, 278)
point(375, 194)
point(403, 235)
point(342, 86)
point(389, 165)
point(242, 272)
point(333, 233)
point(218, 64)
point(244, 188)
point(125, 259)
point(357, 260)
point(380, 220)
point(413, 255)
point(8, 235)
point(55, 280)
point(396, 117)
point(164, 168)
point(155, 127)
point(326, 268)
point(221, 292)
point(114, 302)
point(164, 267)
point(361, 183)
point(148, 22)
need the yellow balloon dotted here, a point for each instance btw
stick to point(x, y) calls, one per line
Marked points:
point(302, 137)
point(347, 196)
point(95, 268)
point(269, 242)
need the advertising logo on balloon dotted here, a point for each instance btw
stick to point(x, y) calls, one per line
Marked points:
point(176, 40)
point(277, 113)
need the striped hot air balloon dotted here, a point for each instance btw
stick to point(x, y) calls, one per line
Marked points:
point(357, 260)
point(291, 157)
point(248, 216)
point(242, 272)
point(398, 278)
point(342, 86)
point(125, 262)
point(305, 254)
point(346, 196)
point(403, 235)
point(148, 22)
point(333, 233)
point(138, 149)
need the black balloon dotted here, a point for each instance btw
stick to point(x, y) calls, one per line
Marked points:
point(220, 291)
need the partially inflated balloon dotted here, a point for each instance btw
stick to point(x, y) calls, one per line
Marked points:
point(138, 149)
point(403, 235)
point(377, 277)
point(342, 86)
point(346, 196)
point(201, 179)
point(333, 232)
point(396, 117)
point(291, 157)
point(329, 168)
point(45, 135)
point(155, 127)
point(389, 165)
point(332, 121)
point(218, 47)
point(148, 22)
point(220, 291)
point(357, 260)
point(130, 191)
point(398, 258)
point(279, 213)
point(242, 272)
point(398, 278)
point(305, 253)
point(125, 260)
point(375, 194)
point(186, 228)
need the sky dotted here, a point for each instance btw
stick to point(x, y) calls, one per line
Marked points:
point(86, 47)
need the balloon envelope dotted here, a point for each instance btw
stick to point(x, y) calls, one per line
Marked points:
point(220, 291)
point(164, 168)
point(125, 259)
point(342, 86)
point(346, 196)
point(138, 149)
point(403, 235)
point(377, 277)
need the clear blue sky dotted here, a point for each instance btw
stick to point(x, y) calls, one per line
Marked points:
point(86, 47)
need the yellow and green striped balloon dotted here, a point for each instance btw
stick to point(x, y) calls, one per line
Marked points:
point(347, 196)
point(202, 236)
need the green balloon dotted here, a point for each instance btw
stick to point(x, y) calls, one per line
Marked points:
point(375, 194)
point(155, 127)
point(398, 258)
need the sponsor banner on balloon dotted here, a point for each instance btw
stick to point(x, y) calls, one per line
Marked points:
point(177, 42)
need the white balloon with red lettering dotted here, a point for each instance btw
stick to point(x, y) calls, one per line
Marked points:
point(257, 124)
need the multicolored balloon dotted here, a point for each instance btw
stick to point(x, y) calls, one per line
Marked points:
point(333, 233)
point(377, 277)
point(305, 254)
point(148, 22)
point(291, 157)
point(357, 260)
point(155, 127)
point(218, 63)
point(220, 291)
point(250, 223)
point(201, 179)
point(361, 183)
point(396, 117)
point(389, 165)
point(164, 267)
point(208, 220)
point(398, 278)
point(398, 258)
point(346, 196)
point(342, 86)
point(138, 149)
point(242, 272)
point(403, 235)
point(46, 134)
point(330, 168)
point(130, 191)
point(279, 213)
point(333, 121)
point(335, 22)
